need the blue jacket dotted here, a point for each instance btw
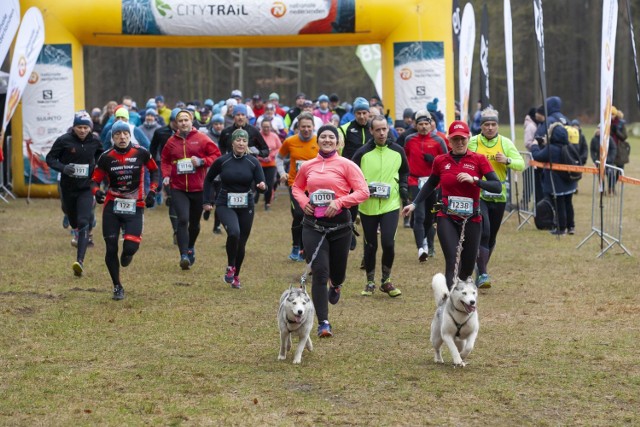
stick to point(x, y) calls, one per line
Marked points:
point(554, 105)
point(553, 153)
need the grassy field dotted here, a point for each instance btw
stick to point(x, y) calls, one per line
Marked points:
point(556, 343)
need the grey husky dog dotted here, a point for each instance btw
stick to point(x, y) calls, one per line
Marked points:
point(455, 322)
point(295, 316)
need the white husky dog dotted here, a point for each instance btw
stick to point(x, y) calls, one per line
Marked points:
point(295, 316)
point(456, 319)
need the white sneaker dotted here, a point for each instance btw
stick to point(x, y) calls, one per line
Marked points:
point(422, 255)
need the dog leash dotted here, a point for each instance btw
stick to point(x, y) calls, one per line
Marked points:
point(459, 249)
point(307, 269)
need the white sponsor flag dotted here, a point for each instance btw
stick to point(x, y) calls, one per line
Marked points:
point(467, 43)
point(371, 60)
point(25, 54)
point(9, 22)
point(508, 52)
point(607, 59)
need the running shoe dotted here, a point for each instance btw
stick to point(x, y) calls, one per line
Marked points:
point(74, 238)
point(217, 230)
point(230, 274)
point(236, 283)
point(118, 293)
point(324, 330)
point(78, 268)
point(369, 288)
point(184, 262)
point(388, 288)
point(267, 207)
point(432, 252)
point(483, 282)
point(295, 253)
point(558, 232)
point(572, 230)
point(422, 255)
point(334, 294)
point(407, 222)
point(65, 222)
point(191, 254)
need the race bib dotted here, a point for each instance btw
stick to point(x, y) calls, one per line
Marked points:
point(488, 195)
point(299, 164)
point(379, 190)
point(237, 200)
point(322, 197)
point(422, 181)
point(462, 206)
point(185, 166)
point(124, 206)
point(80, 171)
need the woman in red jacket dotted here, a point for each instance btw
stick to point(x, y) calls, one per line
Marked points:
point(185, 159)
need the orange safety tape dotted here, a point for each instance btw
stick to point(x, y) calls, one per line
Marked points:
point(585, 169)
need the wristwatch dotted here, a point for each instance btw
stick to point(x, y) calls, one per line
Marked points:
point(508, 161)
point(475, 180)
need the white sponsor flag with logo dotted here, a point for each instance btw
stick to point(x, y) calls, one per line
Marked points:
point(609, 25)
point(467, 43)
point(371, 60)
point(25, 54)
point(508, 51)
point(9, 23)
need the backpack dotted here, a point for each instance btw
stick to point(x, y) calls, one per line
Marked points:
point(622, 154)
point(545, 215)
point(570, 156)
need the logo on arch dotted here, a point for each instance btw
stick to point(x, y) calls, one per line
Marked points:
point(279, 9)
point(406, 73)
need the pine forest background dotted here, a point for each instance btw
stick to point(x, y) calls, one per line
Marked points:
point(572, 42)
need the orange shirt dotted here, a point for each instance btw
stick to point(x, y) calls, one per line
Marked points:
point(298, 152)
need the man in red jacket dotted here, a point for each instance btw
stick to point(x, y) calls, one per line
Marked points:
point(185, 159)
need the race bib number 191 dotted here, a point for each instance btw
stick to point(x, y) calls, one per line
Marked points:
point(80, 171)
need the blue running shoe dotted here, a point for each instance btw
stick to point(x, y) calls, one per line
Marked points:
point(324, 330)
point(184, 262)
point(295, 253)
point(229, 274)
point(191, 254)
point(483, 282)
point(334, 294)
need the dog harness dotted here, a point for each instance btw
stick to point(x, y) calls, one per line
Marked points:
point(459, 326)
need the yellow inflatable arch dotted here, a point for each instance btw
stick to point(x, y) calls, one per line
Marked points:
point(414, 37)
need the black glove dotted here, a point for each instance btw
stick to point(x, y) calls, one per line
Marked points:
point(100, 196)
point(68, 170)
point(404, 193)
point(150, 200)
point(428, 157)
point(206, 215)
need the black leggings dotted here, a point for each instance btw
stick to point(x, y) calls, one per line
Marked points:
point(188, 208)
point(449, 231)
point(269, 179)
point(237, 223)
point(329, 264)
point(78, 205)
point(423, 218)
point(492, 213)
point(132, 226)
point(388, 223)
point(296, 225)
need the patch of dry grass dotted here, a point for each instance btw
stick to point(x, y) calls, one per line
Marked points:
point(556, 344)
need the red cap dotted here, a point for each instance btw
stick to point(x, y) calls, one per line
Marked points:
point(459, 128)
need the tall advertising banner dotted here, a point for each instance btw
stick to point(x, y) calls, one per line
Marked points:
point(485, 95)
point(25, 53)
point(419, 76)
point(9, 23)
point(634, 52)
point(47, 110)
point(455, 25)
point(465, 62)
point(607, 56)
point(371, 60)
point(508, 53)
point(539, 27)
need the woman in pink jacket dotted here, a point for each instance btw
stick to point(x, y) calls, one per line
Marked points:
point(269, 163)
point(326, 187)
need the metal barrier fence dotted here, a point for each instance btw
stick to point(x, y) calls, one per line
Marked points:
point(521, 187)
point(606, 210)
point(5, 176)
